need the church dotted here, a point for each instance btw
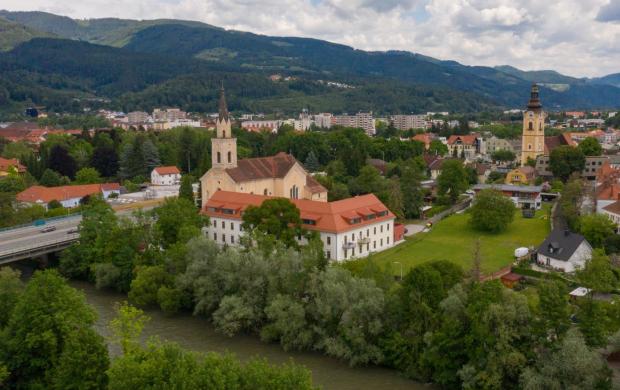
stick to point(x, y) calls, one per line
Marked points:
point(533, 138)
point(279, 176)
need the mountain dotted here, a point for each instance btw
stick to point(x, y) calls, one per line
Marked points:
point(612, 79)
point(12, 34)
point(144, 63)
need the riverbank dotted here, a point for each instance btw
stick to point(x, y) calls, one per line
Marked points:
point(198, 334)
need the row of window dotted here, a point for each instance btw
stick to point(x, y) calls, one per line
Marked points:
point(374, 231)
point(223, 224)
point(374, 246)
point(231, 237)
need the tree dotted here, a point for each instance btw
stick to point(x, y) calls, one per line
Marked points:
point(596, 228)
point(105, 160)
point(503, 155)
point(572, 366)
point(50, 338)
point(570, 203)
point(413, 196)
point(52, 178)
point(275, 220)
point(565, 160)
point(10, 290)
point(87, 176)
point(453, 180)
point(393, 198)
point(554, 309)
point(312, 162)
point(61, 162)
point(437, 148)
point(598, 274)
point(186, 191)
point(146, 284)
point(177, 221)
point(369, 181)
point(590, 147)
point(127, 327)
point(492, 211)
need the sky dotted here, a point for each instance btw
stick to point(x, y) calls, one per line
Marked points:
point(579, 38)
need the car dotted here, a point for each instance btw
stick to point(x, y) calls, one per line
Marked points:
point(73, 231)
point(48, 229)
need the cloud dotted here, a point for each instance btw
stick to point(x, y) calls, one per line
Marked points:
point(571, 36)
point(610, 12)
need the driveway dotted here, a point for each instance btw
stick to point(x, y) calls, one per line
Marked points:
point(413, 229)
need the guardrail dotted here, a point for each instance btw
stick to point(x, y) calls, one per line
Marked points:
point(37, 248)
point(30, 224)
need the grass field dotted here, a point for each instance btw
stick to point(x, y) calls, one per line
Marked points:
point(453, 239)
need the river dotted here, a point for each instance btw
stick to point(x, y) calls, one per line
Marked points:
point(199, 335)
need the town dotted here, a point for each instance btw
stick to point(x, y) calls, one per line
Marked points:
point(295, 216)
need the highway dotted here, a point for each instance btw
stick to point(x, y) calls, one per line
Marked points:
point(20, 243)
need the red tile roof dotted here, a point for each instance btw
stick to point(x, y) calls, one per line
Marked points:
point(613, 208)
point(313, 185)
point(468, 139)
point(47, 194)
point(6, 163)
point(169, 170)
point(331, 217)
point(425, 138)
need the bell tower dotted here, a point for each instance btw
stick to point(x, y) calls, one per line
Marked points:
point(533, 138)
point(223, 146)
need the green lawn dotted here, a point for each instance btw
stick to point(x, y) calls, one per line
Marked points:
point(454, 239)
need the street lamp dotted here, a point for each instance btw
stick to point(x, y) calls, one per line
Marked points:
point(401, 269)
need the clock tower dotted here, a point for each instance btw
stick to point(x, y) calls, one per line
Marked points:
point(224, 145)
point(533, 138)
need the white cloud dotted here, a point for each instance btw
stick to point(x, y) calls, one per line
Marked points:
point(575, 37)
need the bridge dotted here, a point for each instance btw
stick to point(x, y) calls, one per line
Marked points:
point(26, 242)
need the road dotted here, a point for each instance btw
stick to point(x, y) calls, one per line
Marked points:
point(31, 237)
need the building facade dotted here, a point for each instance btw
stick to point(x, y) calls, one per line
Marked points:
point(165, 176)
point(523, 197)
point(280, 175)
point(533, 138)
point(349, 228)
point(406, 122)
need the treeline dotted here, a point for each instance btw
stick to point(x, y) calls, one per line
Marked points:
point(47, 341)
point(439, 324)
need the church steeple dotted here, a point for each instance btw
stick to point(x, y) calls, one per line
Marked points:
point(534, 102)
point(223, 146)
point(223, 108)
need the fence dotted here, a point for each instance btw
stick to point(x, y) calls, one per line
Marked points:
point(457, 207)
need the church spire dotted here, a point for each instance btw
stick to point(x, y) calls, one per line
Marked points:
point(223, 108)
point(534, 102)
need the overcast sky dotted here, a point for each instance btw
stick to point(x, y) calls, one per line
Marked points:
point(576, 37)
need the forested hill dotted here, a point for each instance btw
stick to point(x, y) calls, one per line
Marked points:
point(149, 63)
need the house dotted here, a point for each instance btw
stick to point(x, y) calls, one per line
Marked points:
point(524, 197)
point(349, 228)
point(465, 146)
point(612, 211)
point(280, 175)
point(165, 176)
point(434, 167)
point(425, 138)
point(482, 171)
point(510, 280)
point(68, 196)
point(589, 172)
point(564, 251)
point(10, 165)
point(521, 176)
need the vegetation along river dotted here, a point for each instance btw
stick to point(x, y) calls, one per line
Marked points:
point(197, 334)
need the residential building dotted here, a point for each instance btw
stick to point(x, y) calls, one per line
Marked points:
point(589, 172)
point(136, 117)
point(564, 251)
point(280, 175)
point(165, 176)
point(465, 146)
point(168, 114)
point(612, 211)
point(11, 165)
point(262, 125)
point(521, 176)
point(482, 171)
point(425, 138)
point(406, 122)
point(533, 138)
point(524, 197)
point(68, 196)
point(493, 144)
point(348, 228)
point(323, 120)
point(304, 122)
point(362, 120)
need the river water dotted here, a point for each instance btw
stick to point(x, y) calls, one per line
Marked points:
point(197, 334)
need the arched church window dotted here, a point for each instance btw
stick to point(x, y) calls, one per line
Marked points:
point(265, 192)
point(219, 157)
point(529, 146)
point(223, 133)
point(531, 126)
point(229, 156)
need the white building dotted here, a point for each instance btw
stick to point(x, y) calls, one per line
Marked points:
point(165, 176)
point(138, 117)
point(263, 125)
point(323, 120)
point(349, 228)
point(68, 196)
point(564, 251)
point(168, 114)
